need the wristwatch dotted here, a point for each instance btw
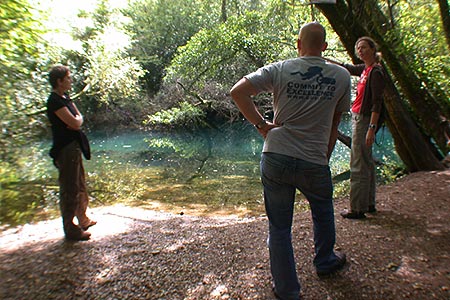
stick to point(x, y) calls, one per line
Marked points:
point(260, 124)
point(373, 126)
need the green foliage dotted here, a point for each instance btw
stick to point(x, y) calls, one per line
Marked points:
point(159, 27)
point(7, 174)
point(427, 51)
point(217, 56)
point(218, 53)
point(184, 116)
point(106, 75)
point(20, 101)
point(20, 32)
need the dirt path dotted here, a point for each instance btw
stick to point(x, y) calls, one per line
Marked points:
point(402, 252)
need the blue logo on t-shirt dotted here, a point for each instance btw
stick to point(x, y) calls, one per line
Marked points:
point(313, 72)
point(304, 89)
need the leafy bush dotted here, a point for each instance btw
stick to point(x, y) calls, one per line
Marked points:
point(185, 115)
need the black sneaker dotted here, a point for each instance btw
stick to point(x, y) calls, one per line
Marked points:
point(340, 262)
point(279, 298)
point(372, 209)
point(352, 215)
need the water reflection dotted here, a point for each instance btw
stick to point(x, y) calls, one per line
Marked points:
point(210, 171)
point(229, 149)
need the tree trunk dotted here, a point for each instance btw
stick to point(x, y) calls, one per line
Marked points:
point(414, 149)
point(445, 16)
point(427, 108)
point(224, 17)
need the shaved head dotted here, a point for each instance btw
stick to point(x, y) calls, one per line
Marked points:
point(312, 38)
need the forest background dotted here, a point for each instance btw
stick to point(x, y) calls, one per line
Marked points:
point(169, 65)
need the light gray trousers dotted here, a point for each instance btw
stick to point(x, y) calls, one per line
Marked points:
point(362, 166)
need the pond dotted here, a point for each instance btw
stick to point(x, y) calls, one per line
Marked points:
point(212, 171)
point(235, 149)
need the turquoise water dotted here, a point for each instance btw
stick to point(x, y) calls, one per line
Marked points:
point(227, 148)
point(134, 166)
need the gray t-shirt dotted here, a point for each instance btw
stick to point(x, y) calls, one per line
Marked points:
point(306, 91)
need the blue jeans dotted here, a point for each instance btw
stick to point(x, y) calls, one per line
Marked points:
point(281, 175)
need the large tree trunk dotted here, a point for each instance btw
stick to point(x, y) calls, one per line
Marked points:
point(412, 146)
point(416, 150)
point(445, 16)
point(428, 108)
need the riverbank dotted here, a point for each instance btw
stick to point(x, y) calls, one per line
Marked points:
point(402, 252)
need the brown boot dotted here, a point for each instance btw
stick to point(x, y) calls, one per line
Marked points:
point(80, 236)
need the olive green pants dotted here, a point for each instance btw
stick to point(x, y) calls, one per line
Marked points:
point(362, 166)
point(73, 197)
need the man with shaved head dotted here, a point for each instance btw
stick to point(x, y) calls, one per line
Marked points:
point(309, 96)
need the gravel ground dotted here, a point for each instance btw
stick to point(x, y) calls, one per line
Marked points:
point(402, 252)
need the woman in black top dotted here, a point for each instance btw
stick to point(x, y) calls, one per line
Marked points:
point(68, 144)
